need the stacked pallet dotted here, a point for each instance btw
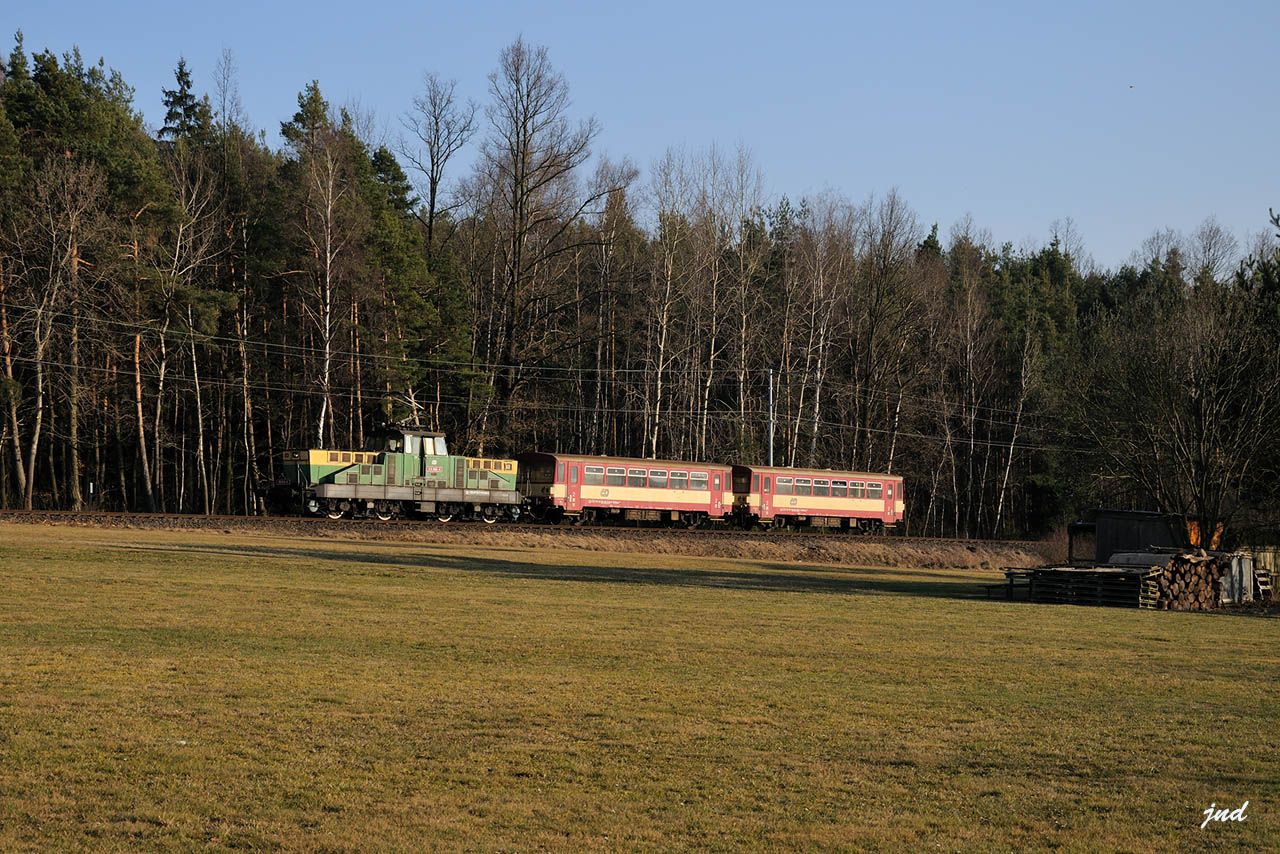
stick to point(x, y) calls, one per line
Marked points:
point(1189, 582)
point(1108, 586)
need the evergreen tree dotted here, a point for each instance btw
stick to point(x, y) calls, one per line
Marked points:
point(186, 117)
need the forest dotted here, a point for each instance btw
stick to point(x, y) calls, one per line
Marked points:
point(180, 304)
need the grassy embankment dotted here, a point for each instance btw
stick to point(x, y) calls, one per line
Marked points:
point(175, 688)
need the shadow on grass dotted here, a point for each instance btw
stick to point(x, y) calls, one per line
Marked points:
point(773, 577)
point(1255, 610)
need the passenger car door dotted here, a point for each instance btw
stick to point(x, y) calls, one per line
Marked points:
point(572, 488)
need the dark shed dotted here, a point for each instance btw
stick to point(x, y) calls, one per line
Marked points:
point(1116, 531)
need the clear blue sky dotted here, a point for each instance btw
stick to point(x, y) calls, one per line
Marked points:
point(1126, 116)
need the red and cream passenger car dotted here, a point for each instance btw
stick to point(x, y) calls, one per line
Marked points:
point(596, 488)
point(844, 499)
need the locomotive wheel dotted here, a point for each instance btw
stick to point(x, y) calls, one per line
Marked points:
point(384, 515)
point(489, 515)
point(334, 513)
point(444, 517)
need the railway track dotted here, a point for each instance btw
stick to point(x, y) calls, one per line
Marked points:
point(320, 524)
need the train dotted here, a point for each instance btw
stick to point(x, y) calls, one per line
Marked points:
point(409, 473)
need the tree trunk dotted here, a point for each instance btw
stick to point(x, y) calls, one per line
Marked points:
point(15, 434)
point(143, 461)
point(195, 379)
point(73, 390)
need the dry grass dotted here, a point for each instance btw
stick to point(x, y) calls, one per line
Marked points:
point(835, 548)
point(178, 689)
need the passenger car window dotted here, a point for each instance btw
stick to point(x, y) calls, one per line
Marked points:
point(616, 476)
point(679, 480)
point(593, 476)
point(698, 480)
point(855, 489)
point(839, 488)
point(821, 487)
point(803, 486)
point(657, 479)
point(875, 490)
point(784, 486)
point(637, 477)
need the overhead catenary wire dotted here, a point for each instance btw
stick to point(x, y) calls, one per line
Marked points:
point(517, 406)
point(460, 368)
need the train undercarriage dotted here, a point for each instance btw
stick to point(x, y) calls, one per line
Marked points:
point(363, 502)
point(386, 510)
point(345, 503)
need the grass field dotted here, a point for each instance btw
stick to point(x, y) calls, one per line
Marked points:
point(177, 689)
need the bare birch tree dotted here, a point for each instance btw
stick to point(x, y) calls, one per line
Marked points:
point(440, 126)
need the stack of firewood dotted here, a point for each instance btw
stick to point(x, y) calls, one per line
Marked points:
point(1188, 582)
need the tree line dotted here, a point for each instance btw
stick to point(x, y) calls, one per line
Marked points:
point(179, 305)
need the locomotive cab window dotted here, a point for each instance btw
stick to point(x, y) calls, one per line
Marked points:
point(803, 486)
point(637, 477)
point(875, 490)
point(784, 486)
point(616, 476)
point(855, 489)
point(821, 487)
point(593, 476)
point(679, 480)
point(698, 480)
point(657, 479)
point(839, 488)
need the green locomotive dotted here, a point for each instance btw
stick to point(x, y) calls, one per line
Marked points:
point(409, 472)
